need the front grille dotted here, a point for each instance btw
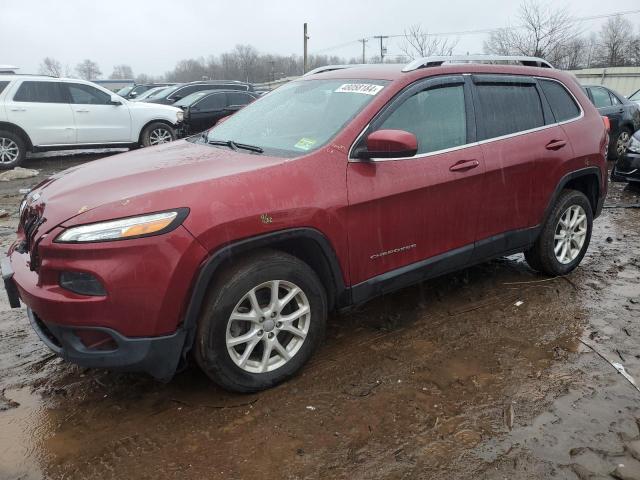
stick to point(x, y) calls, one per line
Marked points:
point(30, 222)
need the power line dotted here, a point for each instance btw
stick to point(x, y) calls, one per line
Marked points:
point(483, 30)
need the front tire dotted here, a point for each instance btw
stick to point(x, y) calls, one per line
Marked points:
point(565, 236)
point(263, 319)
point(619, 145)
point(157, 133)
point(12, 150)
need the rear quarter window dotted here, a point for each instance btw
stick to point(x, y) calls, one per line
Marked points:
point(3, 85)
point(562, 103)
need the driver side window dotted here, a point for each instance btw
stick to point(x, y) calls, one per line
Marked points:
point(436, 116)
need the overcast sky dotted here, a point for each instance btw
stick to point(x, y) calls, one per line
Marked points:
point(151, 36)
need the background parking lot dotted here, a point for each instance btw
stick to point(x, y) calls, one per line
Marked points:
point(493, 372)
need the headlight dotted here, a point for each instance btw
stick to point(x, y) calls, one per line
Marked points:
point(124, 228)
point(634, 145)
point(22, 205)
point(180, 116)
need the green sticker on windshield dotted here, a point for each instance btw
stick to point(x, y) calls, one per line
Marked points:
point(305, 143)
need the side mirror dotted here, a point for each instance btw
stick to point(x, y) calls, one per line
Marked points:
point(133, 94)
point(389, 144)
point(115, 100)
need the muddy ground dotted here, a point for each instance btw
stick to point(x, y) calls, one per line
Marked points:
point(494, 372)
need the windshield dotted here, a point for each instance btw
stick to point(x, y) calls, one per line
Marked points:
point(150, 93)
point(123, 92)
point(635, 96)
point(167, 91)
point(298, 117)
point(191, 99)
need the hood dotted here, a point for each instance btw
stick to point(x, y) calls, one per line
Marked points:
point(141, 181)
point(144, 105)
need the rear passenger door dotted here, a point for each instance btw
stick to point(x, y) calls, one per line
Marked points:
point(41, 109)
point(403, 211)
point(517, 138)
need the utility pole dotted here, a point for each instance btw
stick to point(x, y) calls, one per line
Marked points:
point(382, 49)
point(363, 40)
point(305, 62)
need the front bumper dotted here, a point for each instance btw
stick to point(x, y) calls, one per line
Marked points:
point(627, 168)
point(157, 356)
point(138, 320)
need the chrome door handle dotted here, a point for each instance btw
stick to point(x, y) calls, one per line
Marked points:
point(18, 109)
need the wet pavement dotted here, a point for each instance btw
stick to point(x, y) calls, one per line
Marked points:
point(493, 372)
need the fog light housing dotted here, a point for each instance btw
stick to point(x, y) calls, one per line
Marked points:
point(82, 283)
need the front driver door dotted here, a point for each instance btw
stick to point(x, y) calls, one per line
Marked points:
point(98, 121)
point(420, 211)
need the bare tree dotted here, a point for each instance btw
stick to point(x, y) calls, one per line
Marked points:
point(247, 59)
point(615, 42)
point(419, 43)
point(544, 32)
point(51, 66)
point(88, 70)
point(121, 72)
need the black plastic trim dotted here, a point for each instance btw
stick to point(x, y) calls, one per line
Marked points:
point(157, 356)
point(583, 172)
point(499, 245)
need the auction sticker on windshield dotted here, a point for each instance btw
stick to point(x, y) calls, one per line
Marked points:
point(305, 143)
point(366, 88)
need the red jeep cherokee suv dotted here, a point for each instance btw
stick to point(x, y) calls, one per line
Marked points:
point(346, 184)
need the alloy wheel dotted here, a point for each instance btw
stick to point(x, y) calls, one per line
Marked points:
point(159, 136)
point(570, 234)
point(621, 144)
point(9, 150)
point(268, 326)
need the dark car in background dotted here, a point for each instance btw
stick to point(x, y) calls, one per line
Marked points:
point(169, 97)
point(202, 110)
point(627, 167)
point(623, 114)
point(132, 91)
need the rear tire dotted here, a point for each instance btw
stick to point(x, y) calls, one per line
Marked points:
point(565, 236)
point(12, 150)
point(246, 344)
point(157, 133)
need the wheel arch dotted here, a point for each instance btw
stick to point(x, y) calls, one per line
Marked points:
point(586, 180)
point(157, 120)
point(12, 127)
point(307, 244)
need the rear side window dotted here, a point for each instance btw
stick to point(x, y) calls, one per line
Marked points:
point(436, 116)
point(562, 103)
point(239, 98)
point(601, 97)
point(41, 92)
point(508, 108)
point(216, 101)
point(3, 86)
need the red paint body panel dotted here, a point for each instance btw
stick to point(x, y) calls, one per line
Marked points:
point(362, 208)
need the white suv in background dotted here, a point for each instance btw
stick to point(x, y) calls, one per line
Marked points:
point(39, 113)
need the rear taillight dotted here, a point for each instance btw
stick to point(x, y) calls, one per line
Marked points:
point(607, 123)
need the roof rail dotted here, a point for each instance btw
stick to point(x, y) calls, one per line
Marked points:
point(438, 61)
point(329, 68)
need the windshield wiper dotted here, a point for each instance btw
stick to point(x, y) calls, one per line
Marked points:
point(235, 146)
